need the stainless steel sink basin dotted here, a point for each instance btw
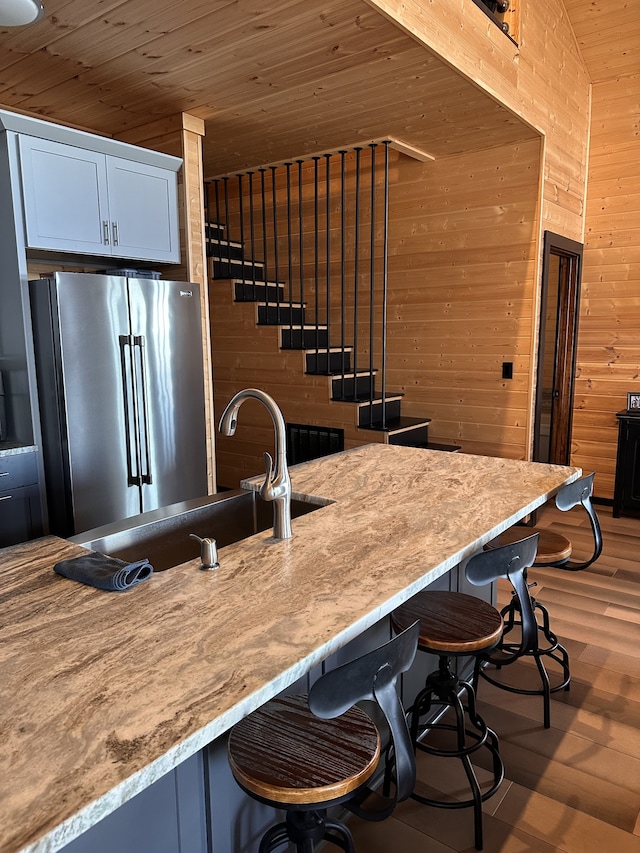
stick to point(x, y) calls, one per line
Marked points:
point(162, 535)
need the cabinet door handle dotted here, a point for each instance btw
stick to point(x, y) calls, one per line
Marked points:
point(105, 231)
point(6, 497)
point(4, 473)
point(114, 228)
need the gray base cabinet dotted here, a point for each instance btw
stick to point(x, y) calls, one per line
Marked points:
point(168, 817)
point(20, 511)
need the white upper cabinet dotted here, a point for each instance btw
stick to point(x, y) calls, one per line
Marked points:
point(143, 206)
point(88, 202)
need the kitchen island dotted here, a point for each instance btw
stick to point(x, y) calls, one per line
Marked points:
point(105, 693)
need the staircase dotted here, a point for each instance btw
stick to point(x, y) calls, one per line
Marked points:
point(375, 411)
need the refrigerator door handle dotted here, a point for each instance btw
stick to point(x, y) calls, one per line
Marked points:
point(132, 444)
point(143, 423)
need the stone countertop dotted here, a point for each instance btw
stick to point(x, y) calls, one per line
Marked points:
point(103, 693)
point(14, 448)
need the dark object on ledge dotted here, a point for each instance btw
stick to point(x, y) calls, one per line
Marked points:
point(626, 491)
point(95, 569)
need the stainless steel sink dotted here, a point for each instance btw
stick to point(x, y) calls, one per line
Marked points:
point(162, 535)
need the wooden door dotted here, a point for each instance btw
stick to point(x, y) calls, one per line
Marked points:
point(556, 357)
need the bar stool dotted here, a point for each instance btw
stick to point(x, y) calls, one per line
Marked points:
point(307, 754)
point(554, 549)
point(453, 624)
point(511, 561)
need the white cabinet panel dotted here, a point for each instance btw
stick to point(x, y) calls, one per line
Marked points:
point(143, 205)
point(77, 200)
point(65, 197)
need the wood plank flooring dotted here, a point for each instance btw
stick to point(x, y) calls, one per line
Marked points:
point(575, 787)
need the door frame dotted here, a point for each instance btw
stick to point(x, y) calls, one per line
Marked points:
point(565, 346)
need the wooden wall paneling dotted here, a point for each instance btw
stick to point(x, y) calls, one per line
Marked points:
point(449, 330)
point(608, 343)
point(450, 339)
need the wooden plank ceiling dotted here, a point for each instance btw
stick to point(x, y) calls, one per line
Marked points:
point(273, 79)
point(608, 35)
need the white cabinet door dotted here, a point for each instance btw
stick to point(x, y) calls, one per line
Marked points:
point(143, 204)
point(65, 197)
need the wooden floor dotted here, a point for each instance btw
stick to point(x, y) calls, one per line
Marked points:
point(574, 787)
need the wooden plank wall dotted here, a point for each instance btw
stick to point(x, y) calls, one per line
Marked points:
point(542, 79)
point(463, 293)
point(465, 249)
point(609, 336)
point(461, 277)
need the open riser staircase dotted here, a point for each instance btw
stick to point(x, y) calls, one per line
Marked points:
point(304, 320)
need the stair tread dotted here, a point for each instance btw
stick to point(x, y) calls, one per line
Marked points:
point(284, 303)
point(297, 327)
point(349, 374)
point(232, 244)
point(398, 424)
point(377, 397)
point(222, 256)
point(365, 399)
point(321, 351)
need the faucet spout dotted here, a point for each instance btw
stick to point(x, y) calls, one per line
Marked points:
point(277, 485)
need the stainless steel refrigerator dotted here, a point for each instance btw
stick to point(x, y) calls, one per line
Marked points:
point(120, 386)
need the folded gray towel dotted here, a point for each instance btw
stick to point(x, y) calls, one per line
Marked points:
point(104, 572)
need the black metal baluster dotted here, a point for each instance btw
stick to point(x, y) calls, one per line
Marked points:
point(343, 261)
point(264, 224)
point(316, 204)
point(225, 184)
point(252, 237)
point(301, 240)
point(328, 247)
point(241, 213)
point(385, 253)
point(207, 216)
point(290, 265)
point(218, 225)
point(356, 259)
point(275, 238)
point(372, 264)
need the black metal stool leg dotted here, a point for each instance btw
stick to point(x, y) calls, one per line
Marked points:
point(274, 837)
point(444, 688)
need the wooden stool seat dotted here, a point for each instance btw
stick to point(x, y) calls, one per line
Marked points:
point(284, 753)
point(552, 547)
point(451, 623)
point(305, 754)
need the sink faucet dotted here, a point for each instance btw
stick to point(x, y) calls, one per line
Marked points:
point(277, 486)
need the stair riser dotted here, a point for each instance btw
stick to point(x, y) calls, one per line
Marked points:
point(249, 292)
point(360, 386)
point(223, 250)
point(222, 269)
point(274, 315)
point(324, 363)
point(371, 415)
point(304, 339)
